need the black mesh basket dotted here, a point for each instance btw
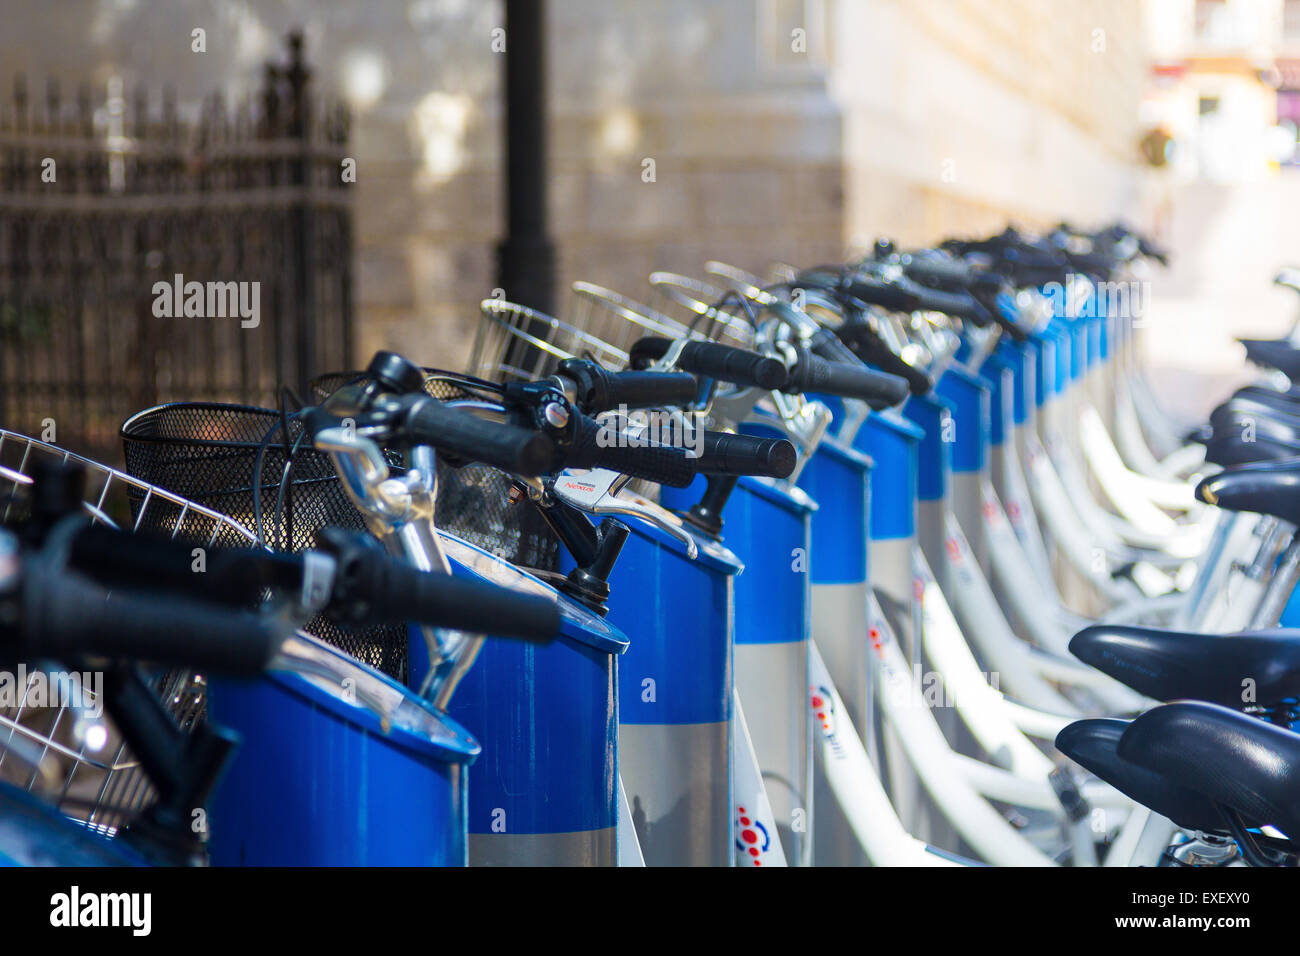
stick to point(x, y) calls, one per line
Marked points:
point(208, 452)
point(473, 500)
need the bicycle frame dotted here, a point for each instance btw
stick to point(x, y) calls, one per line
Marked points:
point(557, 804)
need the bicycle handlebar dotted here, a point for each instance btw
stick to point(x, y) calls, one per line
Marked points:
point(66, 616)
point(232, 576)
point(940, 273)
point(508, 447)
point(662, 464)
point(959, 305)
point(872, 349)
point(722, 362)
point(887, 295)
point(828, 367)
point(725, 454)
point(812, 373)
point(600, 390)
point(672, 465)
point(374, 588)
point(367, 586)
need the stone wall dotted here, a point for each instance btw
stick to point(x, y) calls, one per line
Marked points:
point(779, 129)
point(963, 114)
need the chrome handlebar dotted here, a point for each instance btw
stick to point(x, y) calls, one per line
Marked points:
point(399, 511)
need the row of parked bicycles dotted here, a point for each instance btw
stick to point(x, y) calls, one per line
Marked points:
point(893, 562)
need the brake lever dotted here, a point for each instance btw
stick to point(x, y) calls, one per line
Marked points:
point(362, 468)
point(668, 361)
point(798, 419)
point(596, 491)
point(856, 413)
point(804, 423)
point(399, 511)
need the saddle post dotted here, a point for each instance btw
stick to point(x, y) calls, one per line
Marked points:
point(1279, 589)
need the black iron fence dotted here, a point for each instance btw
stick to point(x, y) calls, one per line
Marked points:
point(146, 258)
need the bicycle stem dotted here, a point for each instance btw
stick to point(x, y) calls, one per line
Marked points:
point(399, 511)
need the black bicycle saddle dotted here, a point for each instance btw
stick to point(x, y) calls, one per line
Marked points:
point(1231, 450)
point(1093, 745)
point(1284, 400)
point(1268, 487)
point(1230, 758)
point(1175, 665)
point(1240, 435)
point(1288, 278)
point(1274, 353)
point(1244, 414)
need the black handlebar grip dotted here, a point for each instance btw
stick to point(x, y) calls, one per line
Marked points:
point(887, 295)
point(940, 273)
point(508, 447)
point(987, 294)
point(820, 277)
point(66, 616)
point(957, 304)
point(872, 349)
point(725, 454)
point(812, 373)
point(596, 445)
point(403, 593)
point(827, 344)
point(232, 576)
point(722, 362)
point(600, 390)
point(1094, 263)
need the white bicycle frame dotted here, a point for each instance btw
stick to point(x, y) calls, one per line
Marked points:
point(961, 786)
point(1143, 836)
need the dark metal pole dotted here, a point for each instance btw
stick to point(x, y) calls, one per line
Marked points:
point(303, 217)
point(526, 257)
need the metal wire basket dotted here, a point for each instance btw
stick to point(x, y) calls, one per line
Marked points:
point(742, 281)
point(515, 342)
point(818, 305)
point(719, 314)
point(618, 319)
point(79, 764)
point(259, 468)
point(473, 500)
point(623, 320)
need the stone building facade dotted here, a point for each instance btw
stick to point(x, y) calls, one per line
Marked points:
point(778, 129)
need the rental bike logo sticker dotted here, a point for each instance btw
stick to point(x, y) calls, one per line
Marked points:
point(957, 551)
point(875, 636)
point(823, 708)
point(752, 839)
point(822, 700)
point(989, 506)
point(880, 637)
